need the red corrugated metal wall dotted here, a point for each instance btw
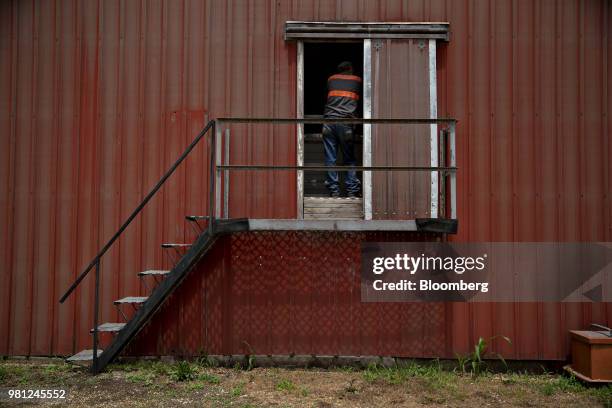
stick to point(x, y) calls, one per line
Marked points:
point(97, 99)
point(292, 293)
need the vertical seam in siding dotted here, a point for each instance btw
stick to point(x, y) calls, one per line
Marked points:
point(469, 125)
point(32, 213)
point(558, 146)
point(492, 89)
point(580, 16)
point(513, 93)
point(97, 170)
point(581, 137)
point(604, 105)
point(163, 126)
point(142, 25)
point(14, 76)
point(491, 103)
point(56, 96)
point(120, 141)
point(76, 174)
point(537, 134)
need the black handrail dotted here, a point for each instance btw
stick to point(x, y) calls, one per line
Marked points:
point(355, 121)
point(133, 215)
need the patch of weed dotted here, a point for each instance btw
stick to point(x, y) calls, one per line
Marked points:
point(285, 385)
point(559, 384)
point(19, 373)
point(160, 368)
point(141, 377)
point(196, 386)
point(603, 394)
point(475, 360)
point(399, 374)
point(209, 378)
point(183, 371)
point(238, 390)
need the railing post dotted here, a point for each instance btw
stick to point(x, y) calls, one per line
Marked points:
point(217, 174)
point(367, 129)
point(433, 138)
point(94, 366)
point(226, 159)
point(212, 177)
point(453, 174)
point(442, 192)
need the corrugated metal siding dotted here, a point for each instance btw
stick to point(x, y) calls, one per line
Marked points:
point(97, 98)
point(249, 298)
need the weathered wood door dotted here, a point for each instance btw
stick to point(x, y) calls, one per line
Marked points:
point(403, 86)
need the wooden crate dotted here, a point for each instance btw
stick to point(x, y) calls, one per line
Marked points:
point(591, 355)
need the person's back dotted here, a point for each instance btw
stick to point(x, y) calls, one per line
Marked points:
point(343, 91)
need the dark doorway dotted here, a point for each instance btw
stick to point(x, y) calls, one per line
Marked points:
point(320, 62)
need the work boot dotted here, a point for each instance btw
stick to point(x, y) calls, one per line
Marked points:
point(334, 194)
point(356, 194)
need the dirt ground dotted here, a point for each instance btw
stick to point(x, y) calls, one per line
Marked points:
point(158, 384)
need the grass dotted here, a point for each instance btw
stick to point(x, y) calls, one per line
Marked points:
point(603, 395)
point(285, 385)
point(209, 378)
point(399, 374)
point(443, 384)
point(430, 382)
point(560, 384)
point(196, 386)
point(141, 377)
point(570, 385)
point(238, 390)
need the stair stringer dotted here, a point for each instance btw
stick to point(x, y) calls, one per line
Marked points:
point(143, 315)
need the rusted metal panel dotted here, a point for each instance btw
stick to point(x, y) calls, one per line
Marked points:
point(97, 98)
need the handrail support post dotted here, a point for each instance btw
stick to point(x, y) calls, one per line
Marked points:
point(94, 366)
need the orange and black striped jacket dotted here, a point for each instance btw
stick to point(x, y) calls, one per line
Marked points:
point(342, 96)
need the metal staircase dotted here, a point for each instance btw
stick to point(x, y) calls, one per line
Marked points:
point(318, 214)
point(145, 307)
point(186, 257)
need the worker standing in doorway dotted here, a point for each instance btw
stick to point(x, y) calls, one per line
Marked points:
point(343, 91)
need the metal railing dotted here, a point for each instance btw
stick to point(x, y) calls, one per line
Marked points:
point(445, 146)
point(95, 262)
point(219, 210)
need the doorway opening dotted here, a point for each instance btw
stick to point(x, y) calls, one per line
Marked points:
point(321, 60)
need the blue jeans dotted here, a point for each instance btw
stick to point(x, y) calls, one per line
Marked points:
point(334, 137)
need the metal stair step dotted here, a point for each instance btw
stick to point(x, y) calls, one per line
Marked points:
point(196, 217)
point(172, 245)
point(131, 299)
point(153, 272)
point(109, 327)
point(85, 355)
